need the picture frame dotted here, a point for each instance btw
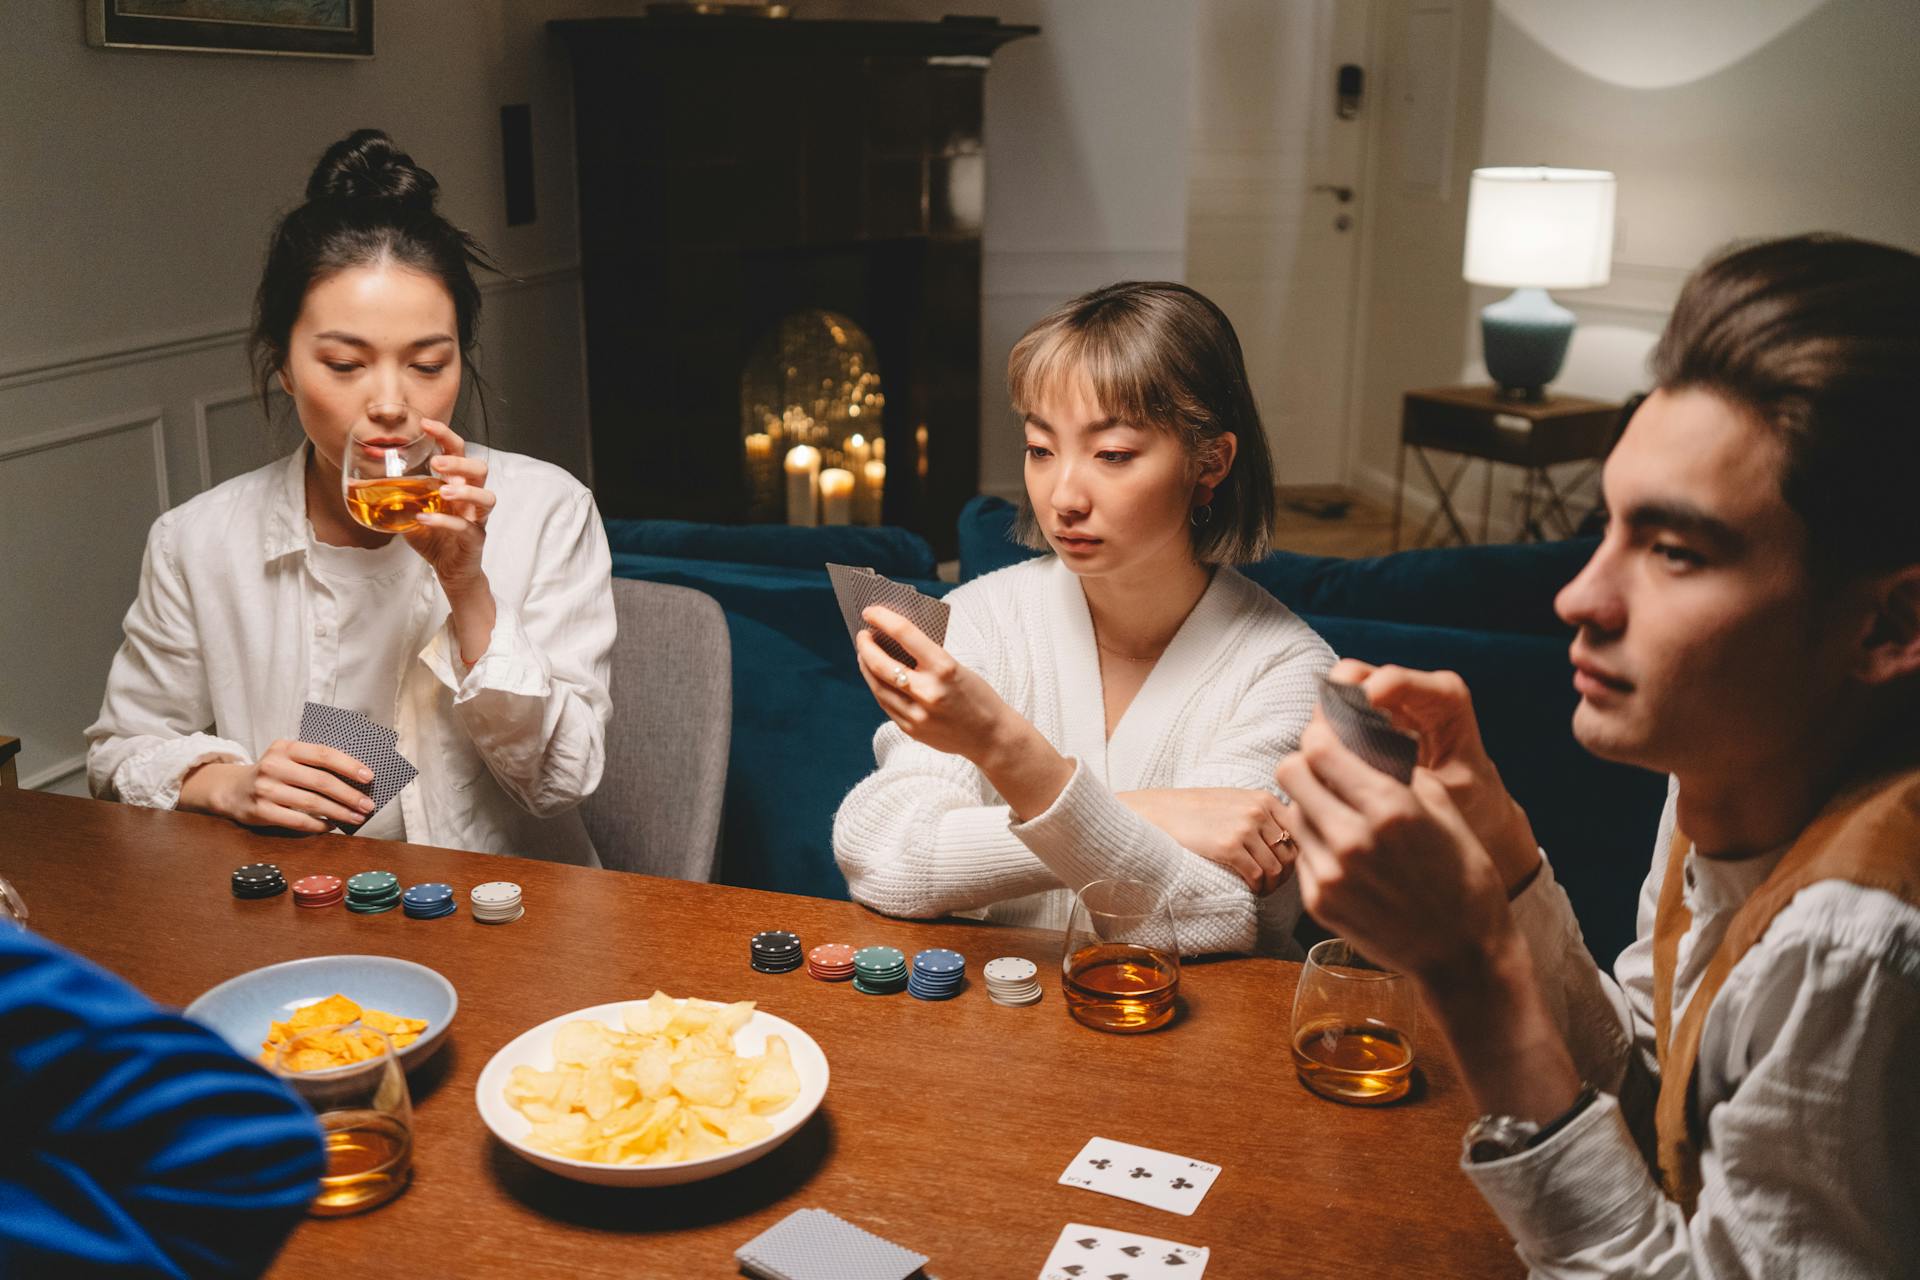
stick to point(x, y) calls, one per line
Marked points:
point(288, 28)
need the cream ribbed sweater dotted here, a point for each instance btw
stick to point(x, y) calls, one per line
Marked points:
point(925, 834)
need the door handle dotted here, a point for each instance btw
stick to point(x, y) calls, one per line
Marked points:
point(1343, 194)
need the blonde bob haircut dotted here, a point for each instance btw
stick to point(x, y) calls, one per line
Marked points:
point(1156, 354)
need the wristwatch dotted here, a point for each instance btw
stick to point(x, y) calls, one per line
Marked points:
point(1496, 1137)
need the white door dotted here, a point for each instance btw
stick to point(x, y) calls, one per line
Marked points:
point(1269, 236)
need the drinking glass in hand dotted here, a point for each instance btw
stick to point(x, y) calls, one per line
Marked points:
point(1121, 967)
point(1353, 1026)
point(387, 474)
point(368, 1118)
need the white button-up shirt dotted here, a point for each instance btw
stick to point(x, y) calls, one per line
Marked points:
point(220, 653)
point(1810, 1154)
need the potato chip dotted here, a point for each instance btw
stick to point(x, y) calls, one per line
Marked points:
point(667, 1088)
point(342, 1047)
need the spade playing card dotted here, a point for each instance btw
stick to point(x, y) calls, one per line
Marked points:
point(855, 588)
point(369, 743)
point(1141, 1174)
point(1100, 1253)
point(1366, 731)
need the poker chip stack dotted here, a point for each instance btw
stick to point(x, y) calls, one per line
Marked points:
point(775, 951)
point(831, 962)
point(258, 880)
point(937, 974)
point(879, 971)
point(1012, 980)
point(318, 891)
point(428, 901)
point(372, 892)
point(497, 902)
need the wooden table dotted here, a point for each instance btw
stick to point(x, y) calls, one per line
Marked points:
point(1479, 423)
point(945, 1126)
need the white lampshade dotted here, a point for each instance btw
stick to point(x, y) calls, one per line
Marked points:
point(1540, 228)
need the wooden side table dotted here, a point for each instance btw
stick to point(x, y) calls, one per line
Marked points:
point(1477, 423)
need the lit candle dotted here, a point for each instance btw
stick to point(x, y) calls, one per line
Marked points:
point(875, 478)
point(836, 496)
point(803, 484)
point(759, 447)
point(858, 451)
point(880, 449)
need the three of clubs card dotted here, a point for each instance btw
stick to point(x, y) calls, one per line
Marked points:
point(1141, 1174)
point(856, 588)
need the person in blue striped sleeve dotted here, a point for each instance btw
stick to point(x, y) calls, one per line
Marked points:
point(132, 1141)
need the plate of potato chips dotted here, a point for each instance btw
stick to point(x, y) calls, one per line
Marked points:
point(654, 1092)
point(259, 1010)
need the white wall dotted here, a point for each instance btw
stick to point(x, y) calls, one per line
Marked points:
point(1723, 119)
point(139, 191)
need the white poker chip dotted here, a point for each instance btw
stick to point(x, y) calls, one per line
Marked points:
point(495, 893)
point(1010, 969)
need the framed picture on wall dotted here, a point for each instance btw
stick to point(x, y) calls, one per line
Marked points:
point(303, 28)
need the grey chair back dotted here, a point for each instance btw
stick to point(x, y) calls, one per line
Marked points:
point(658, 807)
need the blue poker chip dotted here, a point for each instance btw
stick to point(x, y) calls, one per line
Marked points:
point(429, 895)
point(446, 908)
point(939, 960)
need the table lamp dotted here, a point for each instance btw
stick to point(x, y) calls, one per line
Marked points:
point(1531, 230)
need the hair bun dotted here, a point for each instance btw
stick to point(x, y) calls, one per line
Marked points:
point(365, 165)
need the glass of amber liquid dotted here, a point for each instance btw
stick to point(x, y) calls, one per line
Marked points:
point(387, 474)
point(1353, 1025)
point(1121, 967)
point(368, 1117)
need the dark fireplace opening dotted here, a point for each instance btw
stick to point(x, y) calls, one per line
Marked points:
point(736, 174)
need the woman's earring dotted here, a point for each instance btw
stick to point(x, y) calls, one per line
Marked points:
point(1201, 515)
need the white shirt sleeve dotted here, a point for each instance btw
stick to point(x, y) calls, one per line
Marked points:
point(156, 711)
point(536, 704)
point(923, 835)
point(1810, 1167)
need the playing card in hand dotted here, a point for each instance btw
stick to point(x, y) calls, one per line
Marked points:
point(371, 744)
point(856, 588)
point(1094, 1253)
point(1141, 1174)
point(1366, 731)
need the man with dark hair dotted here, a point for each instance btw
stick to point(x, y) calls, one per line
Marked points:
point(1739, 1099)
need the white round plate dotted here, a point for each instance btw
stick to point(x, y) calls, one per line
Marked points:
point(534, 1048)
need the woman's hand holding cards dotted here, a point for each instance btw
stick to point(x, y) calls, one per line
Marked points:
point(297, 786)
point(944, 705)
point(453, 538)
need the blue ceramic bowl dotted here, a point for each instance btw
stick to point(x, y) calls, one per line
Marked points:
point(241, 1009)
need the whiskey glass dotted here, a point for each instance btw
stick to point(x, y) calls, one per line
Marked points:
point(1121, 965)
point(367, 1114)
point(386, 474)
point(1353, 1025)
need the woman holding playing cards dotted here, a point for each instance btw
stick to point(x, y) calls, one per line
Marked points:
point(1115, 709)
point(479, 637)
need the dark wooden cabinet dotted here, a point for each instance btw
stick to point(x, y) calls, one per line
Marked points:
point(735, 170)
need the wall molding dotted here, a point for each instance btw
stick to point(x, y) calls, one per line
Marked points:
point(202, 449)
point(58, 771)
point(151, 418)
point(100, 357)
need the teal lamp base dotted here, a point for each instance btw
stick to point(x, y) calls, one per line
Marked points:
point(1524, 337)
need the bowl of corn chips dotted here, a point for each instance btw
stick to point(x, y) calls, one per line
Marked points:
point(654, 1092)
point(261, 1009)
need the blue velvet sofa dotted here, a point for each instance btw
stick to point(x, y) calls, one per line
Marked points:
point(803, 721)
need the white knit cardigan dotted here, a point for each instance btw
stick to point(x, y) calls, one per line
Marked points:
point(925, 834)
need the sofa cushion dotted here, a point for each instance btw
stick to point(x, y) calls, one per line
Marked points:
point(898, 553)
point(1507, 587)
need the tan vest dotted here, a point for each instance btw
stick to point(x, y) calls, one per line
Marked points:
point(1868, 835)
